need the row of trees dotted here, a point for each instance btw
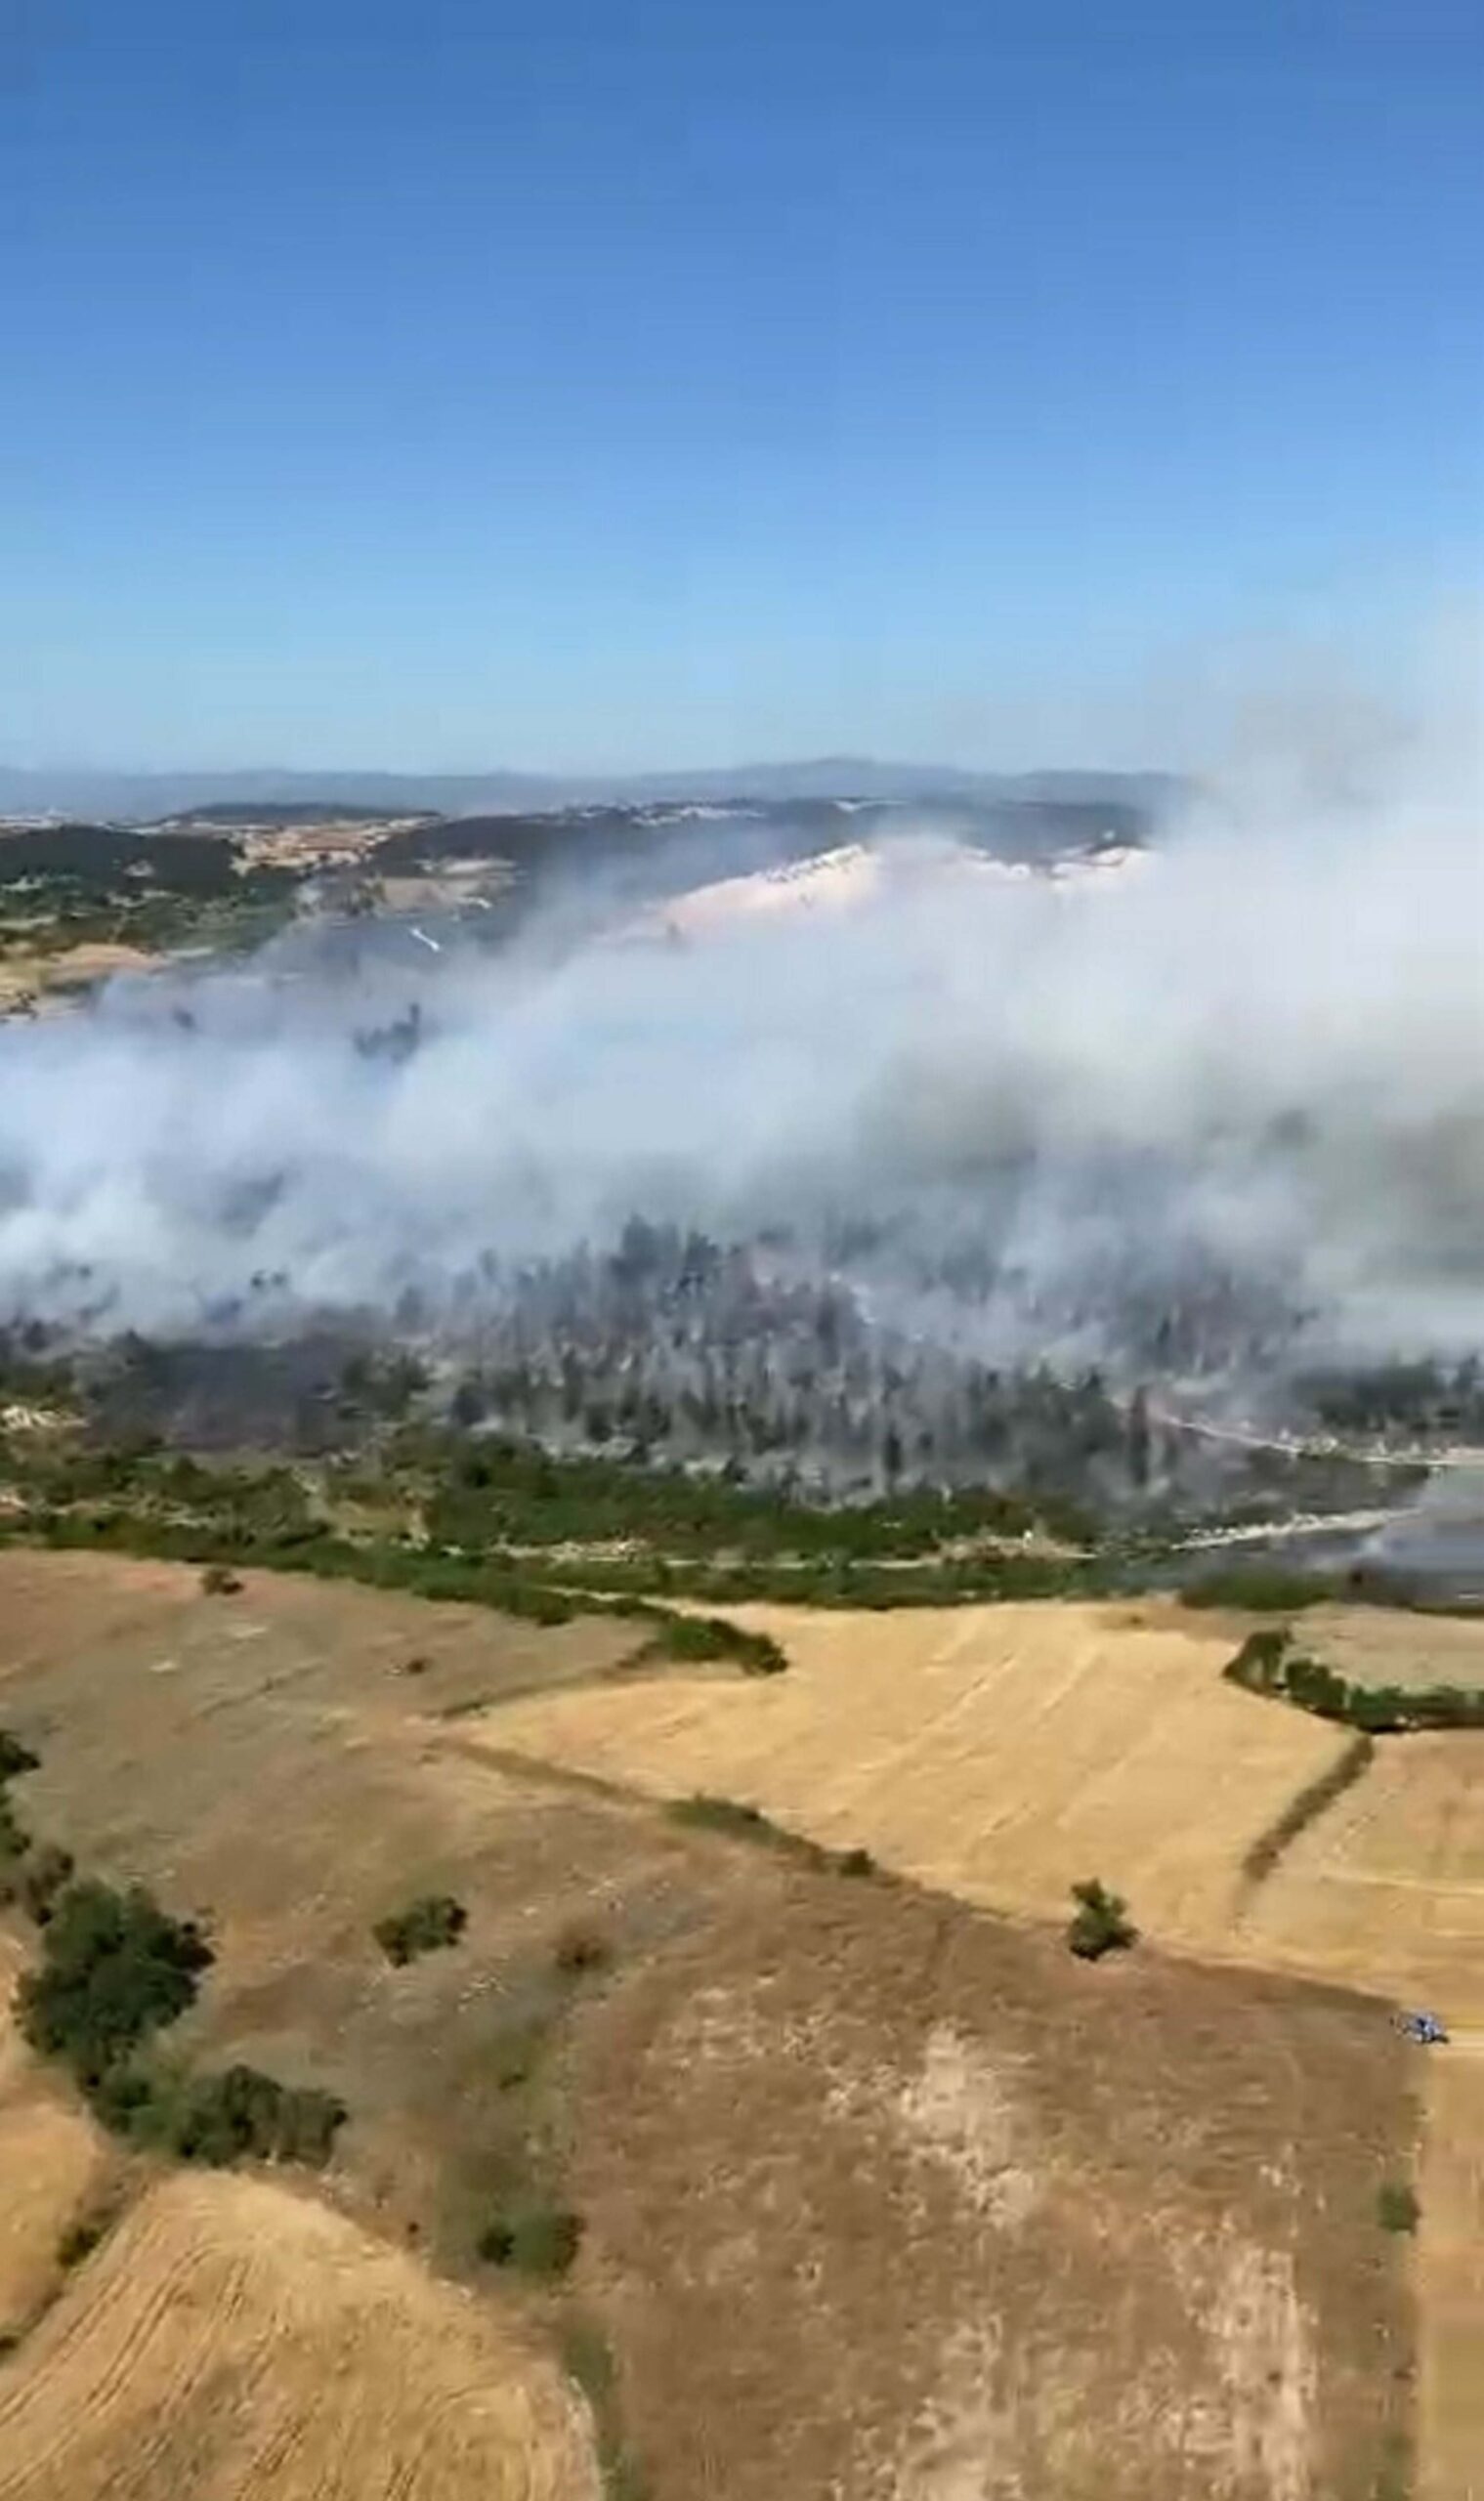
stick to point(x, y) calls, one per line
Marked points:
point(116, 1970)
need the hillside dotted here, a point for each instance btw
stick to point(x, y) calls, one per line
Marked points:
point(876, 2193)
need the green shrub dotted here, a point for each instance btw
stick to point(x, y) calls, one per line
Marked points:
point(15, 1757)
point(42, 1878)
point(1100, 1925)
point(435, 1920)
point(722, 1815)
point(115, 1968)
point(537, 2240)
point(737, 1822)
point(15, 1840)
point(79, 2240)
point(1258, 1588)
point(1267, 1664)
point(243, 2113)
point(1396, 2206)
point(236, 2115)
point(128, 2103)
point(1257, 1665)
point(697, 1638)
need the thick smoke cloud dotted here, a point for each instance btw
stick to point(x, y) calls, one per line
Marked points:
point(1257, 1051)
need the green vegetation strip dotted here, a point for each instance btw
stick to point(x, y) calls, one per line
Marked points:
point(737, 1822)
point(589, 2360)
point(115, 1970)
point(387, 1564)
point(1268, 1663)
point(1307, 1808)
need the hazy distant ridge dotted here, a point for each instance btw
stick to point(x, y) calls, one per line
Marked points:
point(149, 795)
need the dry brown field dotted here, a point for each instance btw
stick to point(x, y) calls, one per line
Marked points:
point(884, 2197)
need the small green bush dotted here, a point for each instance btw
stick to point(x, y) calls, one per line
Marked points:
point(243, 2113)
point(15, 1757)
point(1100, 1925)
point(435, 1920)
point(42, 1878)
point(535, 2241)
point(722, 1815)
point(697, 1638)
point(1396, 2206)
point(1258, 1588)
point(79, 2240)
point(736, 1821)
point(15, 1840)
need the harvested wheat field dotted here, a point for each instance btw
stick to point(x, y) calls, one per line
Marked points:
point(230, 2338)
point(999, 1753)
point(53, 2163)
point(1389, 1645)
point(1451, 2281)
point(1386, 1889)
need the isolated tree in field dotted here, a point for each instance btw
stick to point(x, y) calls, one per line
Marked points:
point(1100, 1925)
point(432, 1921)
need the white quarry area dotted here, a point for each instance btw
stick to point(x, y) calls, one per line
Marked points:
point(856, 874)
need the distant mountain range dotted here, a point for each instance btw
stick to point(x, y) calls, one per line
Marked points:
point(145, 798)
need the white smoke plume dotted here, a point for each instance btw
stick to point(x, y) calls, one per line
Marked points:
point(1261, 1046)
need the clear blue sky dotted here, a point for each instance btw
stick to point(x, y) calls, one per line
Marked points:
point(619, 382)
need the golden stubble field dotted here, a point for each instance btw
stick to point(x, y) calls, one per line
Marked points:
point(230, 2337)
point(999, 1753)
point(882, 2197)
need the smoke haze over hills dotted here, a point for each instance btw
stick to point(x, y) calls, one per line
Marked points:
point(1256, 1055)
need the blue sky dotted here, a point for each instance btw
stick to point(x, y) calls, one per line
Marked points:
point(581, 385)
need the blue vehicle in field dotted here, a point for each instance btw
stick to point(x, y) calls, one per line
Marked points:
point(1428, 2029)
